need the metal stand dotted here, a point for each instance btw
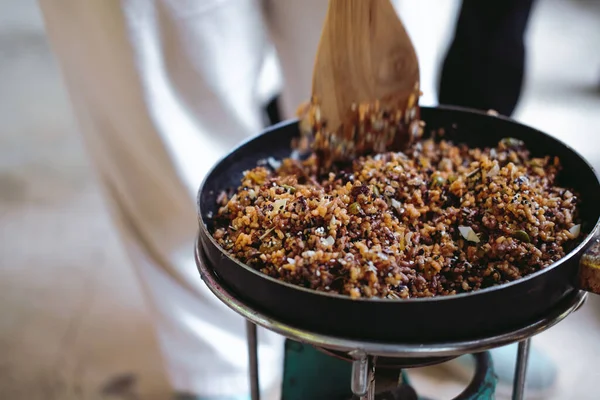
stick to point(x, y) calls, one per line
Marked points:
point(521, 370)
point(363, 382)
point(370, 395)
point(361, 373)
point(357, 350)
point(251, 335)
point(365, 386)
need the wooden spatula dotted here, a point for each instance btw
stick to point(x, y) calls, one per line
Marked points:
point(365, 83)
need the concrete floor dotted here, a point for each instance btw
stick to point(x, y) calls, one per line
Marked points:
point(74, 325)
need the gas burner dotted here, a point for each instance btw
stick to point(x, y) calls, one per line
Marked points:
point(305, 366)
point(374, 370)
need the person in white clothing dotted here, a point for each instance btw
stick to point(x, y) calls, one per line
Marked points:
point(161, 90)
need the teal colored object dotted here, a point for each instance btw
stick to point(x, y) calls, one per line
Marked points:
point(311, 374)
point(194, 397)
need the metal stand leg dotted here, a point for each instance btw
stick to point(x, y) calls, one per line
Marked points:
point(371, 390)
point(521, 370)
point(253, 360)
point(360, 374)
point(363, 376)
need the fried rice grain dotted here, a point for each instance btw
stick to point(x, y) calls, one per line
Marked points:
point(438, 219)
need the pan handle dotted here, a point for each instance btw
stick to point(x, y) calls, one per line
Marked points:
point(588, 277)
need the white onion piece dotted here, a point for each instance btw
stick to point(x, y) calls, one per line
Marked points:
point(279, 205)
point(329, 241)
point(333, 223)
point(469, 234)
point(397, 205)
point(575, 230)
point(371, 267)
point(494, 170)
point(273, 163)
point(408, 238)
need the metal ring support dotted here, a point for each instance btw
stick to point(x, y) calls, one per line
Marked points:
point(456, 348)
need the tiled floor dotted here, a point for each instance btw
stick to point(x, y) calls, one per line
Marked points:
point(73, 324)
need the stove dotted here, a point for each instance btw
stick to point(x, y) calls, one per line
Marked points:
point(321, 367)
point(305, 366)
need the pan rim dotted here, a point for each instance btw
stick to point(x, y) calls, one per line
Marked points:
point(581, 247)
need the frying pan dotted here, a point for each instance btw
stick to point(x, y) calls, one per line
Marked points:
point(419, 320)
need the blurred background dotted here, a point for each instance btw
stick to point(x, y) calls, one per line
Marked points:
point(73, 324)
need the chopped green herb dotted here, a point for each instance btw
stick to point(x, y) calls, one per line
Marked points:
point(512, 142)
point(438, 181)
point(522, 236)
point(289, 188)
point(354, 208)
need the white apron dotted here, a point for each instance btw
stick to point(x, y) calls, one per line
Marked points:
point(161, 90)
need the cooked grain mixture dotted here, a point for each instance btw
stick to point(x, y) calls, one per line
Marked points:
point(438, 219)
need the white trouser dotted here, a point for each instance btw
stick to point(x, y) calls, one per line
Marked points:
point(162, 89)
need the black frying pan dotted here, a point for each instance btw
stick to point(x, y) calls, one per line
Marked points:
point(437, 319)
